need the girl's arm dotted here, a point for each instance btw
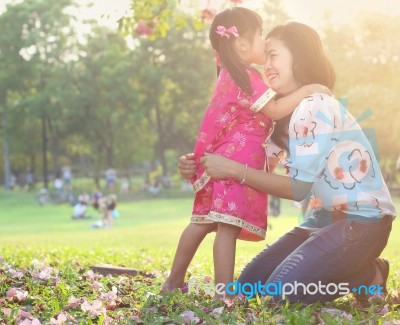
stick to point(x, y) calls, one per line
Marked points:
point(219, 167)
point(277, 109)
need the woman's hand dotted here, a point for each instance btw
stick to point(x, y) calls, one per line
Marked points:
point(187, 165)
point(219, 167)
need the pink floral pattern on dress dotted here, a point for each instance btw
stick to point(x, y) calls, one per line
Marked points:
point(232, 129)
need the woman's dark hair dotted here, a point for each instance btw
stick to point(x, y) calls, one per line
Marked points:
point(247, 23)
point(309, 65)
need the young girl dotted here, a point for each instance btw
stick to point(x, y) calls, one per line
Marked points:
point(236, 124)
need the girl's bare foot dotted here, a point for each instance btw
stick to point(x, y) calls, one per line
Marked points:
point(170, 286)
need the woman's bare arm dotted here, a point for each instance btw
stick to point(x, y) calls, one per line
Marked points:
point(219, 167)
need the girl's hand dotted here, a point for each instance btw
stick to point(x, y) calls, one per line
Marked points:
point(219, 167)
point(317, 88)
point(187, 165)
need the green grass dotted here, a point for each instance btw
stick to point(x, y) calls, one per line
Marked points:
point(153, 225)
point(144, 237)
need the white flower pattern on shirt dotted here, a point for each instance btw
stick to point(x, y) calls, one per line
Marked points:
point(328, 148)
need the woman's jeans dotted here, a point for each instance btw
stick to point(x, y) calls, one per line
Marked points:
point(343, 252)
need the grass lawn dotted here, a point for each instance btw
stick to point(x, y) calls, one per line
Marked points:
point(144, 237)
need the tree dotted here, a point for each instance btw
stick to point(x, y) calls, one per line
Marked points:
point(176, 76)
point(273, 13)
point(13, 69)
point(366, 58)
point(104, 111)
point(156, 18)
point(41, 30)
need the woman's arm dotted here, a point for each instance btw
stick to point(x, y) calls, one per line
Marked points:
point(219, 167)
point(278, 109)
point(272, 163)
point(187, 165)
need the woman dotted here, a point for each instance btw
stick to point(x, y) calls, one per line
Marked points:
point(330, 161)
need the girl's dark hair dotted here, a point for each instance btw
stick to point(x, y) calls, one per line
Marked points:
point(247, 23)
point(309, 65)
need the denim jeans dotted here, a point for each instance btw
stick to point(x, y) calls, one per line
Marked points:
point(342, 252)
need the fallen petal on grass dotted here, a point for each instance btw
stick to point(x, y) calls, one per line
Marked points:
point(189, 316)
point(337, 313)
point(15, 294)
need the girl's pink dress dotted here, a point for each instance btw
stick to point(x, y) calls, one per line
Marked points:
point(233, 128)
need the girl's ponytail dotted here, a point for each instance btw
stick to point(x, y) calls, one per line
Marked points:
point(236, 69)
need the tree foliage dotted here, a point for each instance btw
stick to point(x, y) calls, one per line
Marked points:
point(35, 49)
point(156, 18)
point(367, 62)
point(105, 99)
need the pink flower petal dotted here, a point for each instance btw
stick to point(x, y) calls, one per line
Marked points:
point(74, 302)
point(384, 310)
point(6, 311)
point(24, 314)
point(16, 274)
point(188, 316)
point(208, 279)
point(110, 297)
point(93, 309)
point(337, 313)
point(217, 312)
point(61, 319)
point(97, 286)
point(108, 320)
point(90, 275)
point(143, 29)
point(208, 14)
point(45, 274)
point(17, 294)
point(376, 297)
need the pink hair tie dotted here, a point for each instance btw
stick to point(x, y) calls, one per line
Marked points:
point(226, 32)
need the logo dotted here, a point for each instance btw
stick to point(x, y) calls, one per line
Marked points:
point(250, 290)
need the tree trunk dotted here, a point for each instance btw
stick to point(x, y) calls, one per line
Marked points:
point(44, 152)
point(54, 137)
point(32, 162)
point(109, 154)
point(97, 165)
point(160, 144)
point(6, 157)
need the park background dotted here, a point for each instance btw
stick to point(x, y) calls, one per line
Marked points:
point(124, 86)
